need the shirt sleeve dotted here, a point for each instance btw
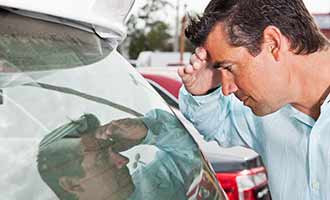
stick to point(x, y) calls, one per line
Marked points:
point(221, 118)
point(179, 154)
point(167, 133)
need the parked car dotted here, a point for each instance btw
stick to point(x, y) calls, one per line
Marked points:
point(77, 121)
point(239, 170)
point(161, 59)
point(323, 21)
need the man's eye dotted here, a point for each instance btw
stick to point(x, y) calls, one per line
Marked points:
point(228, 68)
point(216, 66)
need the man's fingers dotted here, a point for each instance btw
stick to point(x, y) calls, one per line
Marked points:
point(198, 65)
point(187, 80)
point(100, 133)
point(188, 69)
point(181, 71)
point(104, 132)
point(201, 53)
point(190, 74)
point(185, 77)
point(197, 62)
point(195, 59)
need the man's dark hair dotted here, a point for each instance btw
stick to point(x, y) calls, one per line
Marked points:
point(245, 21)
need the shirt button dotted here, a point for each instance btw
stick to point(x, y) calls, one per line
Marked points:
point(315, 185)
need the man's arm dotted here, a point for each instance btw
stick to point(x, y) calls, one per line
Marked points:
point(217, 117)
point(167, 133)
point(157, 127)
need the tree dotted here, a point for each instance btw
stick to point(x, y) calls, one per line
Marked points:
point(146, 32)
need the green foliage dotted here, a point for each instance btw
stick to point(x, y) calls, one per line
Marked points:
point(137, 44)
point(158, 36)
point(146, 32)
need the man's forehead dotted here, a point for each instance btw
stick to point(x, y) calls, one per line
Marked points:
point(216, 42)
point(219, 50)
point(217, 32)
point(215, 56)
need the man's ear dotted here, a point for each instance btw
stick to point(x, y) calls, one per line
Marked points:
point(273, 41)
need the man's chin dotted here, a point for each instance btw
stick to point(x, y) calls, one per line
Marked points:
point(262, 111)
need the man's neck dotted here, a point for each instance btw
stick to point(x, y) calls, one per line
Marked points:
point(312, 81)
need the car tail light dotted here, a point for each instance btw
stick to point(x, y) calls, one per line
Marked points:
point(245, 185)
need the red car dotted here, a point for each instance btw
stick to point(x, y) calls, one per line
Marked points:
point(239, 170)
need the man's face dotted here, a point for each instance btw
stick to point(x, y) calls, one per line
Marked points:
point(259, 82)
point(106, 176)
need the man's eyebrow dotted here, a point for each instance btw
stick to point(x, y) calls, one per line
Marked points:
point(217, 64)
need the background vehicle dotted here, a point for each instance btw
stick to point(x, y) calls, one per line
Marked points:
point(239, 170)
point(161, 59)
point(323, 21)
point(60, 79)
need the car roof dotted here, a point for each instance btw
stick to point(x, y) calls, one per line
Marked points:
point(107, 18)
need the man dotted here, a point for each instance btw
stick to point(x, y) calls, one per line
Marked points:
point(260, 77)
point(76, 165)
point(81, 160)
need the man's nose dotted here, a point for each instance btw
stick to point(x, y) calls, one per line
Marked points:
point(228, 82)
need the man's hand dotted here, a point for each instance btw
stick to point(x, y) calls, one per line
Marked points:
point(198, 78)
point(124, 133)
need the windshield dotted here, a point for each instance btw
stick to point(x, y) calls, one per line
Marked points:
point(28, 44)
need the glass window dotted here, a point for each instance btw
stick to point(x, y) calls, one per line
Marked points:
point(97, 131)
point(166, 97)
point(28, 44)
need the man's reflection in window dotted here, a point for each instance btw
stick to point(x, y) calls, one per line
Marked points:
point(90, 166)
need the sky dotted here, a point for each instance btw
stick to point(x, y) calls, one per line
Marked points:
point(314, 6)
point(318, 6)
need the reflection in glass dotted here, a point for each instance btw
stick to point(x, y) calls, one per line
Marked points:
point(82, 160)
point(28, 44)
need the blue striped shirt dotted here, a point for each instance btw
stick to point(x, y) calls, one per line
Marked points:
point(294, 147)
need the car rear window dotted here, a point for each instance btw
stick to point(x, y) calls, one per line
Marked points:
point(28, 44)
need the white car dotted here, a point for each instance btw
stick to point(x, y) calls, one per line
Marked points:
point(161, 59)
point(77, 121)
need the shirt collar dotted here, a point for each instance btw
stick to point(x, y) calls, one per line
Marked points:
point(300, 116)
point(326, 102)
